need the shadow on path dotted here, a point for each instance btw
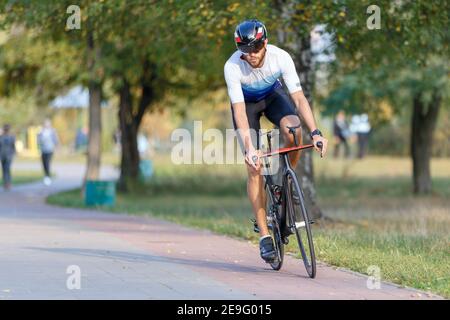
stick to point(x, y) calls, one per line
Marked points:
point(144, 258)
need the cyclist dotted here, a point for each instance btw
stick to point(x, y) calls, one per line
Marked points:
point(252, 75)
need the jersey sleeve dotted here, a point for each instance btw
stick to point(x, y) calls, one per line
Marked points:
point(289, 73)
point(233, 79)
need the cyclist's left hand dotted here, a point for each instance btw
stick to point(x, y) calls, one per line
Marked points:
point(324, 141)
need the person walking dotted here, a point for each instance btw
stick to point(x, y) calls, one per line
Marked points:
point(47, 140)
point(341, 133)
point(361, 127)
point(81, 140)
point(7, 152)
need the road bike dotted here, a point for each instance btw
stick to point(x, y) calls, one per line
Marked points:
point(285, 206)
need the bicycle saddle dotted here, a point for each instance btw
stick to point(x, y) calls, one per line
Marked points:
point(292, 129)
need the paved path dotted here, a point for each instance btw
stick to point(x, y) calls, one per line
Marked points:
point(129, 257)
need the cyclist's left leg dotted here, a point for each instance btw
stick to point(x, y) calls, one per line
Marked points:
point(291, 121)
point(280, 111)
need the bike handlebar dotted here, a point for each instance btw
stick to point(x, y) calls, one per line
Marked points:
point(319, 145)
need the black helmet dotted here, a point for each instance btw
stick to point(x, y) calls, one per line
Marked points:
point(250, 34)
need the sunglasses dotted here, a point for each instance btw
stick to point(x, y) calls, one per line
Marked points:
point(251, 49)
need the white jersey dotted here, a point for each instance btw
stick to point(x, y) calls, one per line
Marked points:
point(246, 83)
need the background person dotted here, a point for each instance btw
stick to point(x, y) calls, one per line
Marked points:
point(81, 139)
point(361, 127)
point(47, 140)
point(341, 133)
point(117, 140)
point(7, 152)
point(143, 145)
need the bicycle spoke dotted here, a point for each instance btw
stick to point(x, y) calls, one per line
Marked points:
point(274, 229)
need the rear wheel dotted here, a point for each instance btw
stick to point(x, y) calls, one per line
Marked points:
point(272, 212)
point(298, 222)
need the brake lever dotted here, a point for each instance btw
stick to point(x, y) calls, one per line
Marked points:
point(320, 146)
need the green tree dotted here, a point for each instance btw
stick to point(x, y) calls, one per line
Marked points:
point(31, 73)
point(293, 23)
point(405, 61)
point(47, 21)
point(175, 47)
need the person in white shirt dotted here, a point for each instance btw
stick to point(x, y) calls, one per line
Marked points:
point(7, 152)
point(252, 75)
point(361, 127)
point(48, 141)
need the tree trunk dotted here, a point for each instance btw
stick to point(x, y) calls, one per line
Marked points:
point(300, 49)
point(305, 170)
point(129, 165)
point(424, 120)
point(95, 119)
point(130, 119)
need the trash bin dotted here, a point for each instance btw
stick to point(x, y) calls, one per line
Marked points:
point(145, 170)
point(100, 193)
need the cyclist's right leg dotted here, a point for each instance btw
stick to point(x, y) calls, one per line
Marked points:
point(255, 183)
point(256, 195)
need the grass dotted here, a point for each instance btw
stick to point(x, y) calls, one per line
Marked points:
point(376, 220)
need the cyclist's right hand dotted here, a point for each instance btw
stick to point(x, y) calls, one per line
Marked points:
point(252, 158)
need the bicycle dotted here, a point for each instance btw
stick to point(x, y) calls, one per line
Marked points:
point(285, 207)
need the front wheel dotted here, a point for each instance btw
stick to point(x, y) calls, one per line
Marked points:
point(272, 212)
point(298, 222)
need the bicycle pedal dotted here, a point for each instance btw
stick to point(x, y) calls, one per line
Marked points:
point(255, 225)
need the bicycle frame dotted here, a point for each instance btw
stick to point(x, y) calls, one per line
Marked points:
point(284, 152)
